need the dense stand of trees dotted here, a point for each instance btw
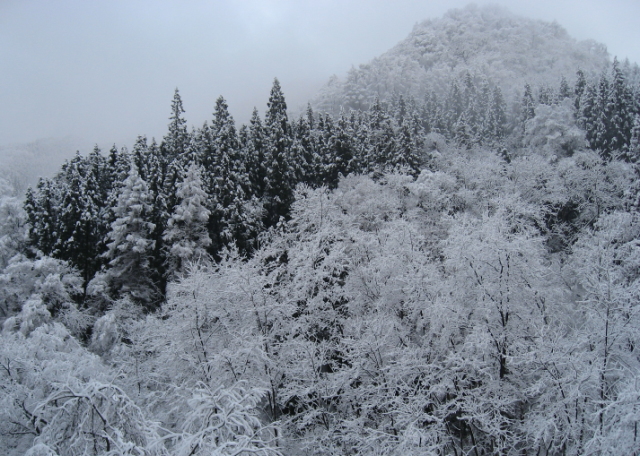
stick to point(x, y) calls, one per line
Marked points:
point(445, 276)
point(99, 209)
point(249, 175)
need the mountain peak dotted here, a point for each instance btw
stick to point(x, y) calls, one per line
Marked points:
point(488, 42)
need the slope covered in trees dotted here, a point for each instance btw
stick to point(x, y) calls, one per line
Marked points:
point(488, 42)
point(443, 275)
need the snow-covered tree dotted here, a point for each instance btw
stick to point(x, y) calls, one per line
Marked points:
point(95, 418)
point(254, 151)
point(223, 421)
point(129, 243)
point(633, 154)
point(553, 131)
point(528, 104)
point(177, 138)
point(186, 236)
point(37, 357)
point(81, 214)
point(228, 182)
point(13, 229)
point(605, 334)
point(281, 166)
point(621, 106)
point(42, 206)
point(53, 281)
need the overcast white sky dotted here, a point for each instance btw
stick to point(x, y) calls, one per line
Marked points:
point(105, 70)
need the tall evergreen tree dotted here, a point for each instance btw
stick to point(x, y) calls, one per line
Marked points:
point(621, 108)
point(633, 153)
point(281, 169)
point(82, 215)
point(528, 104)
point(598, 123)
point(578, 91)
point(129, 243)
point(454, 107)
point(303, 148)
point(140, 156)
point(186, 236)
point(381, 137)
point(118, 164)
point(462, 132)
point(227, 178)
point(484, 106)
point(587, 115)
point(359, 134)
point(546, 95)
point(471, 105)
point(564, 90)
point(42, 206)
point(254, 152)
point(176, 169)
point(324, 139)
point(162, 193)
point(177, 138)
point(497, 117)
point(343, 146)
point(408, 147)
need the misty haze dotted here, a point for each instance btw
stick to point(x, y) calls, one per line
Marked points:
point(308, 228)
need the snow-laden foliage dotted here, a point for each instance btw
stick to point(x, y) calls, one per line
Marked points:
point(39, 357)
point(12, 224)
point(553, 130)
point(58, 398)
point(486, 41)
point(53, 281)
point(451, 268)
point(95, 418)
point(129, 241)
point(186, 232)
point(368, 325)
point(222, 421)
point(248, 176)
point(389, 315)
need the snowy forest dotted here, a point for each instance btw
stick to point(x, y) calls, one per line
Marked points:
point(454, 272)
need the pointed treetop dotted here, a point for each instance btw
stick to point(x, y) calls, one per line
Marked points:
point(276, 106)
point(255, 120)
point(221, 115)
point(175, 141)
point(177, 110)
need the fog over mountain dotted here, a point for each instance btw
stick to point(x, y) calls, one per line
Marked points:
point(439, 256)
point(103, 73)
point(488, 43)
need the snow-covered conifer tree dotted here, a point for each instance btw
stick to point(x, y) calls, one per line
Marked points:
point(578, 90)
point(13, 230)
point(83, 201)
point(254, 155)
point(43, 208)
point(186, 236)
point(621, 107)
point(408, 147)
point(177, 138)
point(633, 153)
point(528, 104)
point(280, 181)
point(381, 137)
point(129, 242)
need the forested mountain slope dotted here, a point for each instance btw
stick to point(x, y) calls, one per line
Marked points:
point(24, 164)
point(487, 42)
point(442, 276)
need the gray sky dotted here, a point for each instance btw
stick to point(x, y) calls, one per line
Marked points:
point(105, 70)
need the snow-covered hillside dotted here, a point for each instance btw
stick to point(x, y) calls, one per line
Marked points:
point(488, 42)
